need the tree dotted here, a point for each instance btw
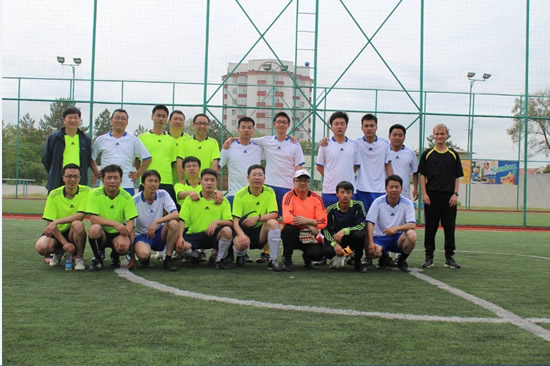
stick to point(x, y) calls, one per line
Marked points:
point(538, 129)
point(546, 169)
point(53, 122)
point(138, 131)
point(102, 124)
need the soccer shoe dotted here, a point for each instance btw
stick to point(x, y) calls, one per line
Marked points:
point(367, 262)
point(288, 265)
point(222, 265)
point(264, 258)
point(95, 265)
point(241, 260)
point(450, 263)
point(337, 262)
point(403, 265)
point(203, 256)
point(147, 262)
point(160, 256)
point(229, 257)
point(382, 261)
point(350, 260)
point(428, 263)
point(195, 258)
point(322, 262)
point(390, 262)
point(115, 261)
point(274, 265)
point(168, 265)
point(79, 264)
point(212, 257)
point(247, 259)
point(361, 268)
point(55, 259)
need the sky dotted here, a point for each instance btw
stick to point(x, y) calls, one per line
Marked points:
point(146, 40)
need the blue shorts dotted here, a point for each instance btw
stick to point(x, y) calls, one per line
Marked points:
point(367, 198)
point(279, 193)
point(388, 242)
point(155, 243)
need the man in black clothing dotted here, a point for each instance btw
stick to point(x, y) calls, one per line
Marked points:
point(440, 170)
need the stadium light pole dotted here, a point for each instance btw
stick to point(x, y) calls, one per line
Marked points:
point(77, 61)
point(471, 105)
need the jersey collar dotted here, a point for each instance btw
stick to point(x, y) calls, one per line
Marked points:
point(249, 192)
point(77, 190)
point(111, 134)
point(375, 139)
point(142, 195)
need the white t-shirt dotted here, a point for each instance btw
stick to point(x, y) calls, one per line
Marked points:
point(372, 173)
point(147, 213)
point(281, 158)
point(339, 160)
point(238, 158)
point(382, 215)
point(121, 151)
point(404, 163)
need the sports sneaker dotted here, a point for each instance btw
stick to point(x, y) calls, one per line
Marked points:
point(159, 256)
point(367, 262)
point(195, 258)
point(403, 265)
point(203, 255)
point(337, 262)
point(115, 261)
point(450, 263)
point(264, 258)
point(428, 263)
point(147, 262)
point(390, 262)
point(241, 260)
point(168, 265)
point(382, 261)
point(322, 262)
point(222, 265)
point(95, 265)
point(361, 268)
point(247, 259)
point(55, 259)
point(274, 265)
point(79, 264)
point(288, 265)
point(212, 257)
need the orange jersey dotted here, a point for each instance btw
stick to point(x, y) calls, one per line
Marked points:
point(312, 207)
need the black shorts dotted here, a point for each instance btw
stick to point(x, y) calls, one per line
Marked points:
point(65, 235)
point(202, 241)
point(109, 237)
point(253, 234)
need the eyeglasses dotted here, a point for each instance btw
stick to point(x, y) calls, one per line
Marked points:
point(72, 176)
point(118, 118)
point(282, 121)
point(201, 123)
point(303, 180)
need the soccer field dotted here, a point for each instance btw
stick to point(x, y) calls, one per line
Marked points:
point(492, 311)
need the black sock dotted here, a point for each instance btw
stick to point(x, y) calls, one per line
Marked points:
point(94, 244)
point(403, 257)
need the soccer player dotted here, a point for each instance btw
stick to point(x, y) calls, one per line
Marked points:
point(177, 123)
point(339, 160)
point(200, 145)
point(154, 230)
point(209, 225)
point(303, 216)
point(162, 148)
point(255, 215)
point(121, 148)
point(66, 146)
point(112, 212)
point(440, 170)
point(241, 154)
point(64, 211)
point(192, 184)
point(391, 225)
point(345, 230)
point(403, 161)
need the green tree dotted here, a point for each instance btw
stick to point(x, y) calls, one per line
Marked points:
point(138, 131)
point(538, 129)
point(546, 169)
point(54, 121)
point(102, 123)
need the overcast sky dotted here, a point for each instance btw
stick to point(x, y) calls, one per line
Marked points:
point(165, 41)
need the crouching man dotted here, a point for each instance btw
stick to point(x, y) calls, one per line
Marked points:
point(391, 225)
point(64, 211)
point(154, 230)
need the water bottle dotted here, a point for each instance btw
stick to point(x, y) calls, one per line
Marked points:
point(68, 262)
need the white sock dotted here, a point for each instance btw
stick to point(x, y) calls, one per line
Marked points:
point(223, 245)
point(273, 239)
point(240, 253)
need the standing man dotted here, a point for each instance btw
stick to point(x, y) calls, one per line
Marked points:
point(403, 161)
point(440, 170)
point(391, 225)
point(121, 148)
point(177, 123)
point(112, 212)
point(303, 215)
point(375, 160)
point(241, 154)
point(339, 160)
point(209, 224)
point(162, 148)
point(66, 146)
point(154, 230)
point(64, 211)
point(255, 215)
point(205, 148)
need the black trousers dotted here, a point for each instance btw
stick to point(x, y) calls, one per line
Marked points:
point(312, 252)
point(356, 241)
point(439, 211)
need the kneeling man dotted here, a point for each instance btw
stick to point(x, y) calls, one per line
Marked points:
point(154, 230)
point(391, 225)
point(255, 215)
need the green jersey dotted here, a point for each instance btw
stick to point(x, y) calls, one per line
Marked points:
point(198, 215)
point(206, 150)
point(120, 209)
point(163, 153)
point(178, 187)
point(59, 206)
point(179, 144)
point(71, 154)
point(246, 204)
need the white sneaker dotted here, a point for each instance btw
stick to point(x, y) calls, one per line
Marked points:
point(55, 259)
point(79, 264)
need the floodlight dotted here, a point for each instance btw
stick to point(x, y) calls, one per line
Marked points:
point(77, 60)
point(486, 76)
point(61, 59)
point(471, 75)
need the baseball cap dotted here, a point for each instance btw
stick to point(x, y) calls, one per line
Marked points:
point(300, 173)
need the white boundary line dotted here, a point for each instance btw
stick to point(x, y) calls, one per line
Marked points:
point(310, 309)
point(499, 311)
point(510, 254)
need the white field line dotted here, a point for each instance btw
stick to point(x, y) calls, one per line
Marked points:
point(499, 311)
point(124, 273)
point(511, 254)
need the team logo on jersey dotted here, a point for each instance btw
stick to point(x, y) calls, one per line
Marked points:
point(245, 151)
point(117, 144)
point(341, 149)
point(278, 148)
point(370, 148)
point(151, 211)
point(71, 206)
point(159, 140)
point(257, 203)
point(72, 143)
point(397, 157)
point(392, 214)
point(207, 208)
point(200, 147)
point(112, 206)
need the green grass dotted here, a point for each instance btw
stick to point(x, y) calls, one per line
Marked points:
point(51, 316)
point(23, 206)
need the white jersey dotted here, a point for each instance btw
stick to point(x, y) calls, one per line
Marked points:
point(338, 161)
point(281, 158)
point(371, 175)
point(238, 158)
point(121, 151)
point(147, 213)
point(382, 215)
point(404, 163)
